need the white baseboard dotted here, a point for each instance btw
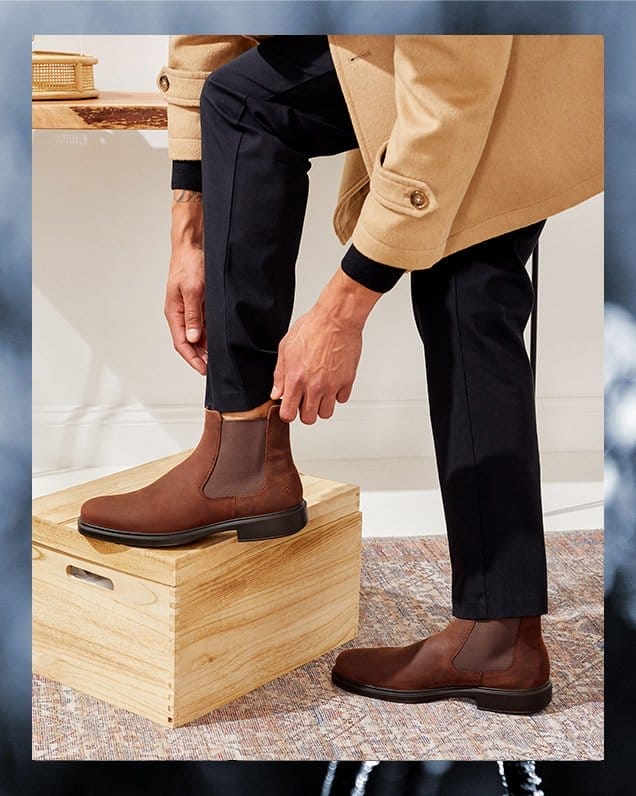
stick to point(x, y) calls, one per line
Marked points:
point(72, 437)
point(393, 505)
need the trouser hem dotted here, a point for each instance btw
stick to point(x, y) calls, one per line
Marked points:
point(237, 402)
point(521, 608)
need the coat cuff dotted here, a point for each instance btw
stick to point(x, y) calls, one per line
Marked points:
point(179, 88)
point(369, 273)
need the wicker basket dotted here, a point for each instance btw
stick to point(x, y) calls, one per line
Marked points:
point(58, 75)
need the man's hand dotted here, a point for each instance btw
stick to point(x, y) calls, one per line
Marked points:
point(317, 363)
point(184, 305)
point(318, 357)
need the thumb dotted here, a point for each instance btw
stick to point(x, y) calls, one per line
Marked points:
point(279, 381)
point(192, 315)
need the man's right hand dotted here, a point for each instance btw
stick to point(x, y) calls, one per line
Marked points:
point(184, 305)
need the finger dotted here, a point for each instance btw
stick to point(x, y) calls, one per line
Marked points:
point(191, 356)
point(192, 311)
point(327, 406)
point(292, 395)
point(174, 315)
point(201, 353)
point(278, 379)
point(344, 393)
point(309, 407)
point(195, 356)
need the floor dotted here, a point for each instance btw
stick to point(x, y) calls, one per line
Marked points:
point(401, 497)
point(312, 719)
point(405, 591)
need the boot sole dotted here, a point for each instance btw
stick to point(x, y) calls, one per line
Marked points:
point(497, 700)
point(248, 529)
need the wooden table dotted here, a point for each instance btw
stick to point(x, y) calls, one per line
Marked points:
point(112, 110)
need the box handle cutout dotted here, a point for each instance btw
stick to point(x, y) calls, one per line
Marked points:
point(89, 577)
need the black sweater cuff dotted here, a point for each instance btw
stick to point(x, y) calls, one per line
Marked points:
point(373, 275)
point(186, 174)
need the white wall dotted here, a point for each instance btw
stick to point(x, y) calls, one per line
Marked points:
point(107, 385)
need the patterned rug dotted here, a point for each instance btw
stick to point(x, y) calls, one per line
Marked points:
point(405, 596)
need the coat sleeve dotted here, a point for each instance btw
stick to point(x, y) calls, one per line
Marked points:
point(190, 61)
point(446, 92)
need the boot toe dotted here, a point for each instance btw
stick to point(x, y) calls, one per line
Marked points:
point(361, 665)
point(107, 511)
point(95, 510)
point(345, 664)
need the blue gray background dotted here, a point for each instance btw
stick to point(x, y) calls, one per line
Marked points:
point(18, 21)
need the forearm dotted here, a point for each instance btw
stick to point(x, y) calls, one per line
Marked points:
point(187, 219)
point(346, 301)
point(187, 207)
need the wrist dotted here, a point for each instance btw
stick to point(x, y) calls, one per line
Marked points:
point(187, 219)
point(347, 301)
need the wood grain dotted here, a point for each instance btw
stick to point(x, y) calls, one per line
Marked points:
point(110, 111)
point(116, 645)
point(264, 626)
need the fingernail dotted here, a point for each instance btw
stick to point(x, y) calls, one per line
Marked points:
point(192, 335)
point(274, 394)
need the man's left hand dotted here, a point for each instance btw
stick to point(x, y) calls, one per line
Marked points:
point(319, 355)
point(317, 363)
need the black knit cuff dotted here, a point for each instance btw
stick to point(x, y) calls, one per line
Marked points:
point(373, 275)
point(186, 174)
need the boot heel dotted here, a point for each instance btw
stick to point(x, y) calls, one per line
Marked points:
point(501, 700)
point(272, 526)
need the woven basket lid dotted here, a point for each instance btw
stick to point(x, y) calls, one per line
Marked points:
point(45, 56)
point(62, 75)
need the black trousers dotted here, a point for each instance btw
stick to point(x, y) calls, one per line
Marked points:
point(264, 115)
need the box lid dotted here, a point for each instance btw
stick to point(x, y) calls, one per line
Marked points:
point(55, 524)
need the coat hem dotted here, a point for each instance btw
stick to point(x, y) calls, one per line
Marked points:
point(419, 259)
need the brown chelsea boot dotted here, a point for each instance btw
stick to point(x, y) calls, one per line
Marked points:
point(241, 476)
point(502, 664)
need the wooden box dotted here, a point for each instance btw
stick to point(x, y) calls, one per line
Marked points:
point(172, 634)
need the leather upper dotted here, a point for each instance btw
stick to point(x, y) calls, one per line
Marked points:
point(255, 475)
point(430, 663)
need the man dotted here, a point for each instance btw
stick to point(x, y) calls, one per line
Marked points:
point(458, 148)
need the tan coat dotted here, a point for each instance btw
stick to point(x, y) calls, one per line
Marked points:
point(461, 138)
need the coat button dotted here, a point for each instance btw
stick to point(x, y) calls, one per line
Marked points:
point(418, 199)
point(164, 83)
